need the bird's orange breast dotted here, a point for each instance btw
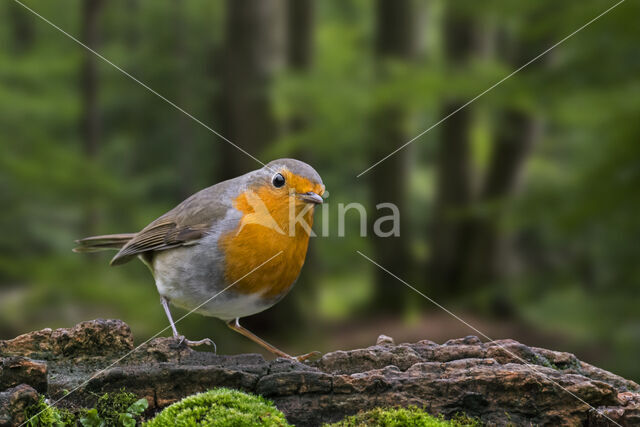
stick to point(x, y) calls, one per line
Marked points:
point(262, 233)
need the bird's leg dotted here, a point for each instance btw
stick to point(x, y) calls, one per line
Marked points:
point(181, 338)
point(165, 305)
point(235, 325)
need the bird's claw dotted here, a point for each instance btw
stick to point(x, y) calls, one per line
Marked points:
point(189, 343)
point(303, 357)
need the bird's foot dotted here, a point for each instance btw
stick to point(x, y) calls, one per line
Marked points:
point(189, 343)
point(303, 357)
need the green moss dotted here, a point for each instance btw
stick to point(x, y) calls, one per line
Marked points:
point(572, 363)
point(42, 415)
point(120, 409)
point(115, 409)
point(111, 405)
point(463, 420)
point(220, 407)
point(543, 361)
point(401, 417)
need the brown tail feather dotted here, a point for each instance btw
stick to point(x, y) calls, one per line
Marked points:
point(100, 243)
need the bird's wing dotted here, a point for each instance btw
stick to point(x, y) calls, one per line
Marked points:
point(160, 236)
point(184, 225)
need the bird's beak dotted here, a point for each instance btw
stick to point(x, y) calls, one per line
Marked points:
point(310, 197)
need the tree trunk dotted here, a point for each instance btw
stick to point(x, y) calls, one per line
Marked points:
point(21, 28)
point(395, 41)
point(516, 132)
point(299, 49)
point(187, 158)
point(454, 197)
point(132, 34)
point(450, 240)
point(90, 120)
point(254, 51)
point(300, 34)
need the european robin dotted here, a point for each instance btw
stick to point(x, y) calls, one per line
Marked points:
point(231, 250)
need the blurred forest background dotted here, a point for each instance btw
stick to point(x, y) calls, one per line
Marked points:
point(519, 213)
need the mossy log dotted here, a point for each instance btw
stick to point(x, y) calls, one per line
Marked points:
point(498, 382)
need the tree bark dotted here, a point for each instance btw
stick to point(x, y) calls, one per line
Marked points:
point(90, 121)
point(516, 132)
point(300, 20)
point(395, 41)
point(454, 198)
point(132, 32)
point(450, 239)
point(299, 36)
point(187, 157)
point(21, 28)
point(254, 51)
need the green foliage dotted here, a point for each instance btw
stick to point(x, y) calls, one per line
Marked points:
point(91, 419)
point(111, 406)
point(120, 409)
point(115, 409)
point(220, 407)
point(404, 417)
point(43, 415)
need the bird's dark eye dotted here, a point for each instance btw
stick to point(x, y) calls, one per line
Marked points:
point(278, 180)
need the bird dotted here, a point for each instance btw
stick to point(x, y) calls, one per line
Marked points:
point(231, 250)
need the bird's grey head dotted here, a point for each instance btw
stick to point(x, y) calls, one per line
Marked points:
point(289, 175)
point(294, 166)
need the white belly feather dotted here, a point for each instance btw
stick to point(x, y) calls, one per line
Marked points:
point(192, 278)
